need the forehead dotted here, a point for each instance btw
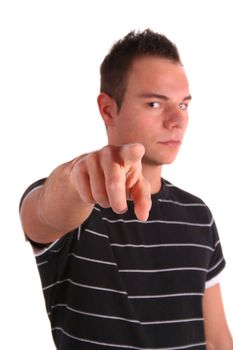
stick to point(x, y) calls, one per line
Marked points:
point(157, 74)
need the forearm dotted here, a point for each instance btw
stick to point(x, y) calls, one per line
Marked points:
point(225, 343)
point(217, 332)
point(53, 209)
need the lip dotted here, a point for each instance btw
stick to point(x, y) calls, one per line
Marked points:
point(170, 142)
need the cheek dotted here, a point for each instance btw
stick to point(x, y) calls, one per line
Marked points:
point(135, 131)
point(136, 123)
point(186, 123)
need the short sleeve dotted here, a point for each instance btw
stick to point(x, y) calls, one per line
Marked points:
point(217, 261)
point(53, 263)
point(30, 189)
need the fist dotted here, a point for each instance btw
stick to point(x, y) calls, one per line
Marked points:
point(112, 175)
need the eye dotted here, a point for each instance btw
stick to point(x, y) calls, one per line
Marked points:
point(154, 104)
point(183, 106)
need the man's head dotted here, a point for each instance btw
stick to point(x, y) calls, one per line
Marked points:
point(116, 65)
point(144, 96)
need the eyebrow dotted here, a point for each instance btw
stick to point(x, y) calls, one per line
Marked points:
point(163, 97)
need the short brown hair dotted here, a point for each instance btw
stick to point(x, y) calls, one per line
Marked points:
point(116, 64)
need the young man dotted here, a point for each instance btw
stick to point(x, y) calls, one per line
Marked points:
point(126, 259)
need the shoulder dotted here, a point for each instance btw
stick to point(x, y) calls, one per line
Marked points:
point(180, 201)
point(179, 194)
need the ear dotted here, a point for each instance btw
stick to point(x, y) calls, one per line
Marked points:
point(107, 108)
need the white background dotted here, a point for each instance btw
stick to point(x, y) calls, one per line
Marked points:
point(49, 80)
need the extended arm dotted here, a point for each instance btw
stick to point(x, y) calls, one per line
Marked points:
point(69, 194)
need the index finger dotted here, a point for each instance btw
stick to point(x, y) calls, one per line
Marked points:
point(131, 158)
point(141, 196)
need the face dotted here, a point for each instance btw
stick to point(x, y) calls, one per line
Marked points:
point(154, 109)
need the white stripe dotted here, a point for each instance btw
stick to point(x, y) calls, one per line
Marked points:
point(126, 319)
point(121, 345)
point(93, 260)
point(79, 233)
point(159, 222)
point(96, 233)
point(96, 315)
point(182, 204)
point(123, 292)
point(42, 263)
point(213, 281)
point(174, 321)
point(56, 250)
point(161, 245)
point(163, 295)
point(41, 252)
point(84, 286)
point(216, 265)
point(98, 209)
point(31, 191)
point(167, 270)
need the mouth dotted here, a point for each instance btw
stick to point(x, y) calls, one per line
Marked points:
point(171, 143)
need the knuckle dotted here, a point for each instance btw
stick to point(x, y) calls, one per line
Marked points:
point(91, 159)
point(115, 182)
point(102, 202)
point(87, 198)
point(106, 152)
point(89, 164)
point(85, 193)
point(79, 164)
point(99, 195)
point(79, 170)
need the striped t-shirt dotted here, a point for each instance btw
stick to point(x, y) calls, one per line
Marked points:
point(118, 283)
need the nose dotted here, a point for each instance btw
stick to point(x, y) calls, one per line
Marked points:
point(175, 117)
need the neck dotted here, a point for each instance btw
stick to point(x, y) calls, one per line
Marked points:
point(153, 174)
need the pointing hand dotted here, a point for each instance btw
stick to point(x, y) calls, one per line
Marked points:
point(112, 175)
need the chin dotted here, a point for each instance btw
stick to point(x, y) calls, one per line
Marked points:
point(168, 162)
point(159, 160)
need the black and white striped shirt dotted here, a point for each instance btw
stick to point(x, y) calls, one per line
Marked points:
point(118, 283)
